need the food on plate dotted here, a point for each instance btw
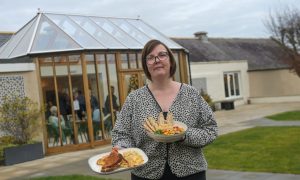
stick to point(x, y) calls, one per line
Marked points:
point(132, 158)
point(162, 126)
point(117, 160)
point(111, 161)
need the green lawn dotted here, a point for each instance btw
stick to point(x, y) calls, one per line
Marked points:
point(70, 177)
point(260, 149)
point(291, 115)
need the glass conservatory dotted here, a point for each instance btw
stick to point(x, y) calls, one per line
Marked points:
point(85, 67)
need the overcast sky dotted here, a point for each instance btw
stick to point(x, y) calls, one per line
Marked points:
point(174, 18)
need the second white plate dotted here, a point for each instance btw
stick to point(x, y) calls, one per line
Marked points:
point(97, 168)
point(169, 138)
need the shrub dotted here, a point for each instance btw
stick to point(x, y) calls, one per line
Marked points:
point(19, 119)
point(7, 140)
point(208, 99)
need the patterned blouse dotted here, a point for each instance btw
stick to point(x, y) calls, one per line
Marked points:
point(185, 157)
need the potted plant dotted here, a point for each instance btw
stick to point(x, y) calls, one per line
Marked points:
point(19, 124)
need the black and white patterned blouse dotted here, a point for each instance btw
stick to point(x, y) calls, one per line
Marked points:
point(184, 158)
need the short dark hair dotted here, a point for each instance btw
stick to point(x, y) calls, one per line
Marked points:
point(149, 46)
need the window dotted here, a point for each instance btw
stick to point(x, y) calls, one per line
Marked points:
point(200, 84)
point(232, 84)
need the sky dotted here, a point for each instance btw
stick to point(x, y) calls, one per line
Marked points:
point(173, 18)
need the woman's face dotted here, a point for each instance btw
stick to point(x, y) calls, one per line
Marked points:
point(158, 62)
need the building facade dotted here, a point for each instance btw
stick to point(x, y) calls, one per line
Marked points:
point(241, 70)
point(80, 68)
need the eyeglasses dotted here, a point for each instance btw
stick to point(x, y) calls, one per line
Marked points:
point(161, 56)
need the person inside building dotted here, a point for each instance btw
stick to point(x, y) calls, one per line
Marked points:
point(79, 99)
point(94, 107)
point(48, 107)
point(107, 109)
point(184, 158)
point(64, 103)
point(114, 101)
point(95, 114)
point(53, 121)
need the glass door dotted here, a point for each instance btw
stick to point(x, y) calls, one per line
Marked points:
point(131, 81)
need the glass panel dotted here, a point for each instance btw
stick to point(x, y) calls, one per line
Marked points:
point(90, 59)
point(236, 83)
point(47, 71)
point(49, 37)
point(94, 99)
point(64, 99)
point(124, 61)
point(97, 32)
point(15, 40)
point(47, 83)
point(45, 60)
point(131, 83)
point(177, 73)
point(75, 31)
point(140, 61)
point(152, 33)
point(117, 33)
point(132, 61)
point(230, 76)
point(102, 129)
point(55, 124)
point(112, 101)
point(2, 47)
point(226, 85)
point(79, 119)
point(232, 87)
point(131, 30)
point(24, 44)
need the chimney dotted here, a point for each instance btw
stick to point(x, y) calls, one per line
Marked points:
point(202, 35)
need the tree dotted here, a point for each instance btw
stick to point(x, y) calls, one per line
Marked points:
point(285, 29)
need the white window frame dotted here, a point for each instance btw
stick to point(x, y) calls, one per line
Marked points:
point(235, 92)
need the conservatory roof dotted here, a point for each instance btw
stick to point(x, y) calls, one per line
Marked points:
point(51, 32)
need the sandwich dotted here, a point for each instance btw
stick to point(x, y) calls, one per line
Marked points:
point(111, 162)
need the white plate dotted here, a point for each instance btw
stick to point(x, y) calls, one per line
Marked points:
point(169, 138)
point(97, 168)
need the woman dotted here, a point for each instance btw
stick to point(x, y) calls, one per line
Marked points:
point(179, 160)
point(53, 121)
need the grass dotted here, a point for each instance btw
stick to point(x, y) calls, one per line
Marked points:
point(259, 149)
point(291, 115)
point(70, 177)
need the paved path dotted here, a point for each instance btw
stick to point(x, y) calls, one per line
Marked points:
point(242, 117)
point(269, 122)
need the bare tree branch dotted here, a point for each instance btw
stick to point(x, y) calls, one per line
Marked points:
point(285, 30)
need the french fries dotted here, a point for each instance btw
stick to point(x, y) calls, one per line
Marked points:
point(133, 159)
point(152, 125)
point(161, 119)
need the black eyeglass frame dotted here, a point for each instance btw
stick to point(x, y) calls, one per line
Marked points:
point(153, 58)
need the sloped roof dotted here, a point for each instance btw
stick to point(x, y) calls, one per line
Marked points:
point(4, 37)
point(261, 54)
point(50, 32)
